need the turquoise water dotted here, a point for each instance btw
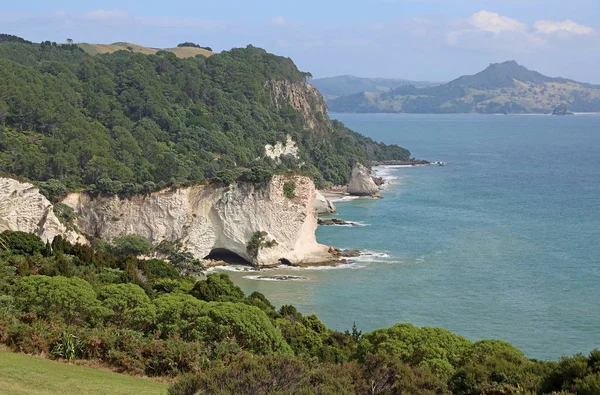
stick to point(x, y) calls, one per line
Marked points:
point(503, 242)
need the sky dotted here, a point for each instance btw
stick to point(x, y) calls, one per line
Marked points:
point(433, 40)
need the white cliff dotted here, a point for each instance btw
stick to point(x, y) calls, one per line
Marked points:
point(23, 208)
point(361, 183)
point(206, 218)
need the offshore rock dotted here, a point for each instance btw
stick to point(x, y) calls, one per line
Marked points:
point(323, 205)
point(23, 208)
point(361, 183)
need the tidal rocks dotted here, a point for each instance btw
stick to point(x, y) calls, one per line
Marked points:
point(361, 183)
point(281, 278)
point(334, 221)
point(323, 205)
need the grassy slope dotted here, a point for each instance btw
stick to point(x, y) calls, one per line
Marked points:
point(181, 52)
point(23, 374)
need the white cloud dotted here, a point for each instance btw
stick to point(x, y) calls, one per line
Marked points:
point(278, 21)
point(566, 26)
point(106, 14)
point(495, 23)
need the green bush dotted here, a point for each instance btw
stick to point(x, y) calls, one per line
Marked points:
point(289, 190)
point(22, 243)
point(131, 245)
point(71, 300)
point(218, 288)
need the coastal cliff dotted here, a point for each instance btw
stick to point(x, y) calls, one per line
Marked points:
point(208, 218)
point(203, 219)
point(23, 208)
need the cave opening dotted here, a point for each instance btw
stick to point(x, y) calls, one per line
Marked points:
point(229, 257)
point(285, 261)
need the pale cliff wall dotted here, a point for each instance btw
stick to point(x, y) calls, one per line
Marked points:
point(304, 98)
point(204, 218)
point(23, 208)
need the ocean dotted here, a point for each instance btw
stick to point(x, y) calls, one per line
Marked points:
point(503, 242)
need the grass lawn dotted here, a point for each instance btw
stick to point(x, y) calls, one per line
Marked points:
point(23, 374)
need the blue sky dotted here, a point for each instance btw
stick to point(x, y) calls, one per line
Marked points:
point(414, 39)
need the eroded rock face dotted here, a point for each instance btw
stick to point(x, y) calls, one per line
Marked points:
point(280, 149)
point(304, 98)
point(323, 205)
point(361, 183)
point(23, 208)
point(205, 218)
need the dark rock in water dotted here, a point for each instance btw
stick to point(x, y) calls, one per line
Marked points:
point(349, 253)
point(333, 221)
point(411, 162)
point(562, 110)
point(379, 181)
point(282, 278)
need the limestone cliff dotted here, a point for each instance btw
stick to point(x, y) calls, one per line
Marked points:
point(23, 208)
point(304, 98)
point(361, 183)
point(208, 218)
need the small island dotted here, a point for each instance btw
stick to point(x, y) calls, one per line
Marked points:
point(562, 110)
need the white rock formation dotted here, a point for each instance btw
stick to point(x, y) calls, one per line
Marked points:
point(280, 149)
point(205, 218)
point(361, 183)
point(323, 205)
point(23, 208)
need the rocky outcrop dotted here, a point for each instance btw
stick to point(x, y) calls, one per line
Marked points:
point(23, 208)
point(323, 205)
point(361, 183)
point(280, 149)
point(304, 98)
point(205, 219)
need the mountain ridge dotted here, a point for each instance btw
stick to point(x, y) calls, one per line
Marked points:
point(505, 87)
point(343, 85)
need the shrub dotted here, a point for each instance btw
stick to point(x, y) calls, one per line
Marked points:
point(289, 190)
point(131, 245)
point(218, 288)
point(22, 243)
point(66, 215)
point(71, 300)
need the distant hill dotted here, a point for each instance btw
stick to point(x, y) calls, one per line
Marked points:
point(180, 52)
point(501, 88)
point(344, 85)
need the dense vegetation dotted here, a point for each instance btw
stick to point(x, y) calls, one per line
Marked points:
point(144, 317)
point(193, 45)
point(132, 123)
point(501, 88)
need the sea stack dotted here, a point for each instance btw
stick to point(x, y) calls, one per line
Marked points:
point(361, 183)
point(323, 205)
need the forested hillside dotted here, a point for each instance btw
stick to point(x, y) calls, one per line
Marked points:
point(501, 88)
point(126, 122)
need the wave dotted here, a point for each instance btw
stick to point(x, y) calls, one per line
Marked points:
point(235, 268)
point(343, 199)
point(276, 278)
point(371, 257)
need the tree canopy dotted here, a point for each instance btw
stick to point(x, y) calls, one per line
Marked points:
point(130, 123)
